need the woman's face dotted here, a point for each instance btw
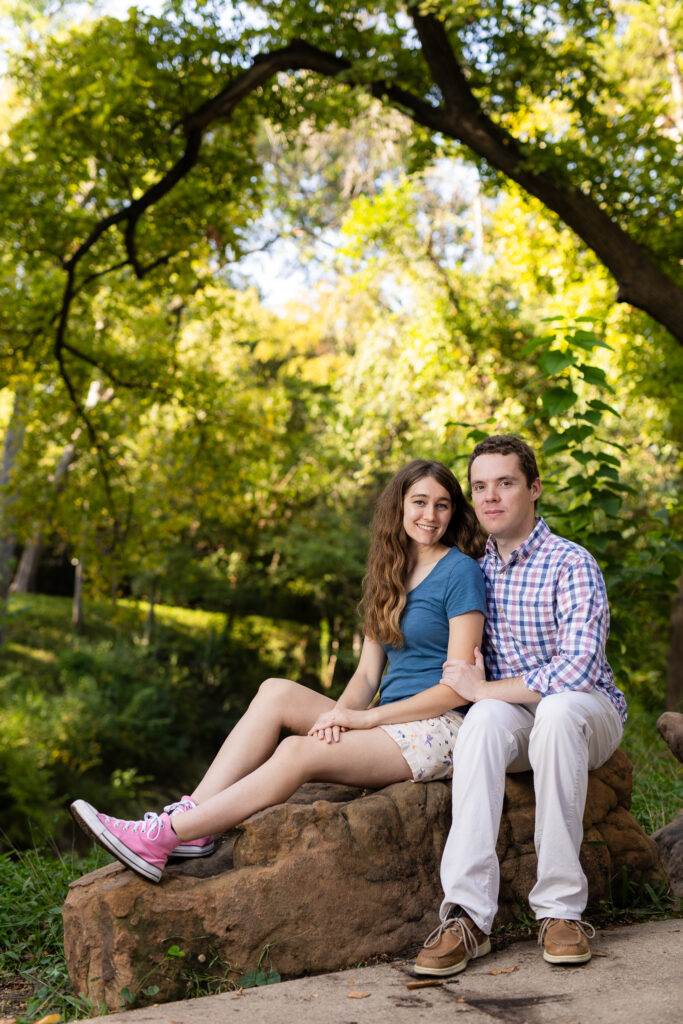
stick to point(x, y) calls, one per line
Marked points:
point(427, 511)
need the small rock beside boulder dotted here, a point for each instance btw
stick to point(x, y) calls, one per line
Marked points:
point(669, 839)
point(670, 728)
point(332, 877)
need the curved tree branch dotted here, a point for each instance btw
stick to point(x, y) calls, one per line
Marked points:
point(640, 281)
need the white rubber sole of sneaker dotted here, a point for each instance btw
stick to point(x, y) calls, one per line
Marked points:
point(188, 850)
point(86, 816)
point(444, 972)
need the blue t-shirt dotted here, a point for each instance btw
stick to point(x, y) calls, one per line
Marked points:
point(453, 587)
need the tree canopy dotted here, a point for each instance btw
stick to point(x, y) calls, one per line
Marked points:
point(134, 147)
point(237, 450)
point(437, 193)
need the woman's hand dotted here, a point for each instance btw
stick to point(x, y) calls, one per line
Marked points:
point(331, 724)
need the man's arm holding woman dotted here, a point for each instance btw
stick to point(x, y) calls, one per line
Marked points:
point(582, 615)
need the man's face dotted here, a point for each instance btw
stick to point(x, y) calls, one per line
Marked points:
point(502, 499)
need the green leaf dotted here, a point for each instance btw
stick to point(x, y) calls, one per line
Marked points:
point(581, 482)
point(587, 340)
point(608, 502)
point(256, 978)
point(554, 361)
point(613, 444)
point(595, 403)
point(583, 457)
point(579, 433)
point(592, 416)
point(555, 443)
point(175, 951)
point(248, 980)
point(594, 375)
point(671, 564)
point(617, 485)
point(535, 343)
point(610, 459)
point(557, 400)
point(598, 542)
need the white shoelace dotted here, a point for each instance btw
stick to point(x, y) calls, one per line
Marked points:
point(151, 825)
point(583, 926)
point(450, 925)
point(152, 819)
point(186, 805)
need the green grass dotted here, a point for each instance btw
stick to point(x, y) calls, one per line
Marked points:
point(34, 884)
point(657, 775)
point(39, 625)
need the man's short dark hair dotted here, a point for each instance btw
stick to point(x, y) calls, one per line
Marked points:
point(506, 444)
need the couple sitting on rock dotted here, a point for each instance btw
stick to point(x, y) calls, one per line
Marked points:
point(541, 696)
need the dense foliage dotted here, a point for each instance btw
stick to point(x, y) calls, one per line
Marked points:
point(189, 440)
point(253, 257)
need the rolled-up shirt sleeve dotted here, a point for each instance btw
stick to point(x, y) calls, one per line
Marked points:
point(582, 620)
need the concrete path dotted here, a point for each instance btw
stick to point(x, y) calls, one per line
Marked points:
point(635, 977)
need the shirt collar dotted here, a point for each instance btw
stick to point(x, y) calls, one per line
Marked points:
point(537, 536)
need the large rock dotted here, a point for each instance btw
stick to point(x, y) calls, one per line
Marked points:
point(330, 878)
point(669, 840)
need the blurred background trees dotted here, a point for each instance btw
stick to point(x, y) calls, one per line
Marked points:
point(255, 257)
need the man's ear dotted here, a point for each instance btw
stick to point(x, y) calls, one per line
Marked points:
point(536, 489)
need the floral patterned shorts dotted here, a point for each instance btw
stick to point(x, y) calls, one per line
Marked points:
point(427, 746)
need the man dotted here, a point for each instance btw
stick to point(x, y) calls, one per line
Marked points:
point(543, 698)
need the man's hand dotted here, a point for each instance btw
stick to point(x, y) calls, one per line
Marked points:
point(468, 680)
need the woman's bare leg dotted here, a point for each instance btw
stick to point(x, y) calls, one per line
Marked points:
point(279, 703)
point(362, 757)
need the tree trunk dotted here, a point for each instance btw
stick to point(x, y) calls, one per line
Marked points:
point(77, 605)
point(151, 617)
point(674, 71)
point(14, 438)
point(28, 564)
point(25, 578)
point(674, 687)
point(30, 557)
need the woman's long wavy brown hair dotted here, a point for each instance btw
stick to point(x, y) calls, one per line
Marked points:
point(389, 562)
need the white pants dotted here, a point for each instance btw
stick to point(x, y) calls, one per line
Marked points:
point(570, 733)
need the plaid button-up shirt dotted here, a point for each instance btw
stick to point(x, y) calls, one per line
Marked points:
point(547, 617)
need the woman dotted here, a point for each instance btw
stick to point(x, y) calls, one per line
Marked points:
point(423, 602)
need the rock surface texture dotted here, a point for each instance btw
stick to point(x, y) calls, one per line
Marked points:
point(670, 727)
point(332, 877)
point(669, 840)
